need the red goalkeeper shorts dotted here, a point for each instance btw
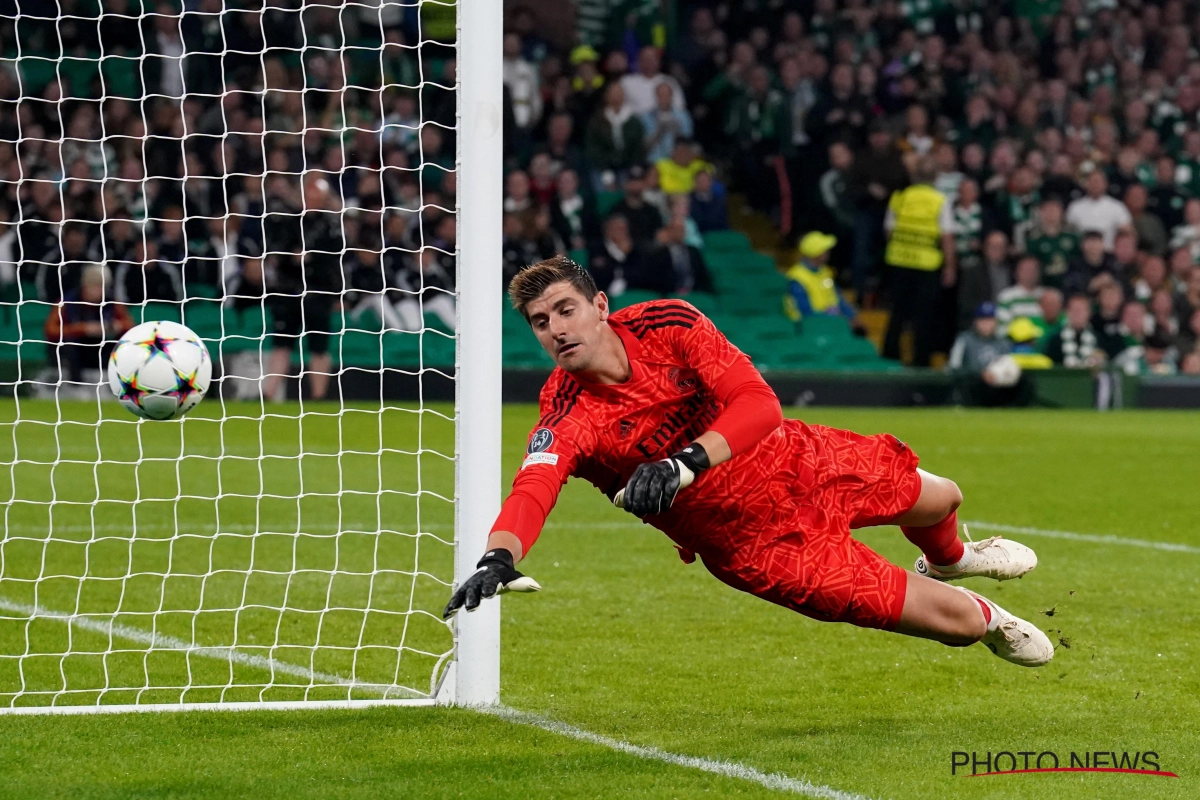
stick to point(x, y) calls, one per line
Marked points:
point(810, 563)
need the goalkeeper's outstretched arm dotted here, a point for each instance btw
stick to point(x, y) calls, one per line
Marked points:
point(520, 522)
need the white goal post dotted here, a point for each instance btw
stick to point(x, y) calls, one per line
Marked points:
point(255, 555)
point(478, 384)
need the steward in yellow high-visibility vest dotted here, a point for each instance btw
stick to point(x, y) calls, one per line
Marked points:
point(811, 286)
point(916, 237)
point(921, 255)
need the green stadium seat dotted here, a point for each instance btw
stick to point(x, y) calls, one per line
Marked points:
point(852, 350)
point(204, 290)
point(78, 74)
point(355, 348)
point(799, 359)
point(437, 350)
point(725, 241)
point(203, 317)
point(121, 76)
point(35, 74)
point(748, 304)
point(244, 330)
point(401, 349)
point(579, 256)
point(704, 302)
point(824, 325)
point(31, 319)
point(155, 311)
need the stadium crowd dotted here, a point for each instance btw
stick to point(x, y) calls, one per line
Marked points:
point(210, 151)
point(301, 157)
point(1064, 136)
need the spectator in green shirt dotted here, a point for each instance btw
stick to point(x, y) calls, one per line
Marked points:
point(758, 125)
point(1051, 243)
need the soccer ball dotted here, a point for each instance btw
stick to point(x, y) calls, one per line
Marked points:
point(159, 370)
point(1004, 371)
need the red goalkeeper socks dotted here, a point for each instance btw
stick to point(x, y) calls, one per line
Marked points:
point(987, 613)
point(939, 542)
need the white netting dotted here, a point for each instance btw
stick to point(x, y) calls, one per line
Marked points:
point(280, 178)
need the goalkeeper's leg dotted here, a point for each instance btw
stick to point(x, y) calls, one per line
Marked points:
point(932, 525)
point(953, 616)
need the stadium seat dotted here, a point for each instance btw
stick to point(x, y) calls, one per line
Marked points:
point(203, 317)
point(437, 350)
point(79, 73)
point(196, 289)
point(725, 241)
point(245, 329)
point(401, 349)
point(704, 302)
point(36, 72)
point(121, 76)
point(357, 349)
point(155, 310)
point(824, 325)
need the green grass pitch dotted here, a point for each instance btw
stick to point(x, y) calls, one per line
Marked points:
point(625, 641)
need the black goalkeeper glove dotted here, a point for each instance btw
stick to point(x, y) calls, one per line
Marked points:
point(653, 486)
point(495, 575)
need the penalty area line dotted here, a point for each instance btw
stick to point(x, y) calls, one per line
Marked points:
point(1170, 547)
point(728, 769)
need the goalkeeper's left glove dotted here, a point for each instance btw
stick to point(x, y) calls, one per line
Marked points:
point(495, 575)
point(653, 486)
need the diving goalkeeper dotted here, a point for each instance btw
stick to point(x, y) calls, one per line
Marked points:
point(655, 407)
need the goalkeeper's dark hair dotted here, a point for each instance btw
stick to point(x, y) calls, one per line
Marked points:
point(530, 282)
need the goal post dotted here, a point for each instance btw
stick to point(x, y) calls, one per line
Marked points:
point(478, 384)
point(268, 550)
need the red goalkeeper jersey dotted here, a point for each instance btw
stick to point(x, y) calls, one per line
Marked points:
point(687, 378)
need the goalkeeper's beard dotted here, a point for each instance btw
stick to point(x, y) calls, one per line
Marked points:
point(578, 359)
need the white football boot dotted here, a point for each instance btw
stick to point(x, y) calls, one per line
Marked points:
point(997, 557)
point(1014, 639)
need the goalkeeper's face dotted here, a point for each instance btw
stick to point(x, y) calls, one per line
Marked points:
point(571, 328)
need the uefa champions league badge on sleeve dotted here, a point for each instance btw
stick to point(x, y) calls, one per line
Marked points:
point(539, 443)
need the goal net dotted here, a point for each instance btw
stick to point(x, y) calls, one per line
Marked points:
point(281, 177)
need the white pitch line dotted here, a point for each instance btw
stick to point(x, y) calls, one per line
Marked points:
point(162, 641)
point(1085, 537)
point(729, 769)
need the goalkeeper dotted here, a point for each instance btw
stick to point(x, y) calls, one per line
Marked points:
point(654, 406)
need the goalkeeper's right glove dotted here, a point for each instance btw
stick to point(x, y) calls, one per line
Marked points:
point(495, 575)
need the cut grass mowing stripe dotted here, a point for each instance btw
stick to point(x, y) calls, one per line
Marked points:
point(163, 642)
point(730, 769)
point(1085, 537)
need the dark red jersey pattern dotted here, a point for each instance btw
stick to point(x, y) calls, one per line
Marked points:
point(775, 519)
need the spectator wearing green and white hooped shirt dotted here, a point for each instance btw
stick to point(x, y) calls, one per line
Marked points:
point(968, 224)
point(949, 176)
point(1022, 299)
point(592, 22)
